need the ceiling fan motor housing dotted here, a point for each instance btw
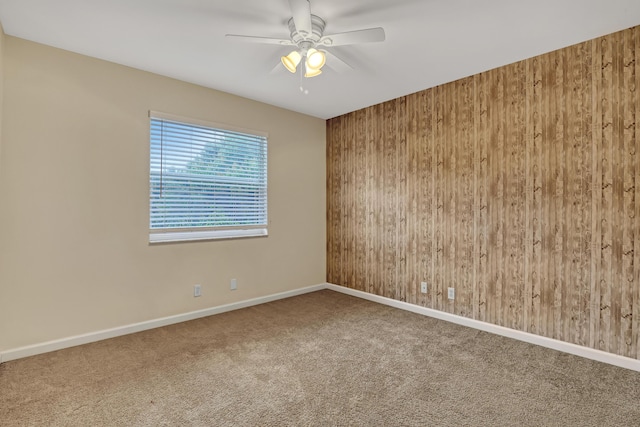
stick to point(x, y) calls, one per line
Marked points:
point(307, 41)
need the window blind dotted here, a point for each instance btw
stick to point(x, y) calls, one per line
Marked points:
point(206, 181)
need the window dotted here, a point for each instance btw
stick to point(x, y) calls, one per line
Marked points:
point(206, 181)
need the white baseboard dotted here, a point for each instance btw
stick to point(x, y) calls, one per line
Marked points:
point(73, 341)
point(586, 352)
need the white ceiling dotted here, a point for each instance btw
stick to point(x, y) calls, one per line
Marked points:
point(429, 42)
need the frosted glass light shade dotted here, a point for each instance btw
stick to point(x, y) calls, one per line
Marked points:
point(291, 61)
point(315, 59)
point(312, 72)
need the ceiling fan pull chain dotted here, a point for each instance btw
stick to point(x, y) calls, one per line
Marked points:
point(302, 89)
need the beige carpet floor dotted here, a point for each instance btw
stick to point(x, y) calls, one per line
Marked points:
point(320, 359)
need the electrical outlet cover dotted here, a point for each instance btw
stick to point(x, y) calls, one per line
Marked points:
point(452, 293)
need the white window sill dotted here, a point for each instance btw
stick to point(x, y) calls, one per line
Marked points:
point(188, 236)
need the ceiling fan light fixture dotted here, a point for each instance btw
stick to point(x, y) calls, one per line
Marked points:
point(291, 61)
point(306, 36)
point(315, 59)
point(312, 72)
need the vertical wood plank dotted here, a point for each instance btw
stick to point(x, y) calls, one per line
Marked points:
point(527, 303)
point(439, 187)
point(635, 346)
point(615, 338)
point(584, 311)
point(431, 152)
point(537, 276)
point(335, 202)
point(476, 200)
point(494, 196)
point(466, 200)
point(347, 213)
point(596, 195)
point(568, 202)
point(369, 229)
point(573, 181)
point(412, 230)
point(401, 206)
point(376, 123)
point(561, 289)
point(617, 296)
point(452, 199)
point(548, 173)
point(449, 200)
point(389, 187)
point(331, 199)
point(483, 188)
point(607, 265)
point(360, 198)
point(627, 117)
point(425, 199)
point(516, 189)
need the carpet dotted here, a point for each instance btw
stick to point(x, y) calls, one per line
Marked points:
point(319, 359)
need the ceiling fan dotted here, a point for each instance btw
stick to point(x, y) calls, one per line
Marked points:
point(307, 35)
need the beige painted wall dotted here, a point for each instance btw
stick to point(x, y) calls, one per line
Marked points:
point(1, 93)
point(74, 256)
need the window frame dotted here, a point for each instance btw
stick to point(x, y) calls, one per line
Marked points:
point(185, 234)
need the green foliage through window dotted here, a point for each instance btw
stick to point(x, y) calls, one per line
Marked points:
point(202, 177)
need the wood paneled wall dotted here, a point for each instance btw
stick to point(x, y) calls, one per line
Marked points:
point(518, 187)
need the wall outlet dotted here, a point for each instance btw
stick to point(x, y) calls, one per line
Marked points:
point(197, 290)
point(234, 284)
point(423, 287)
point(451, 293)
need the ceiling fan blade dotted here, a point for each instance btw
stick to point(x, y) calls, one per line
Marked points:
point(301, 12)
point(353, 37)
point(263, 40)
point(277, 68)
point(336, 63)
